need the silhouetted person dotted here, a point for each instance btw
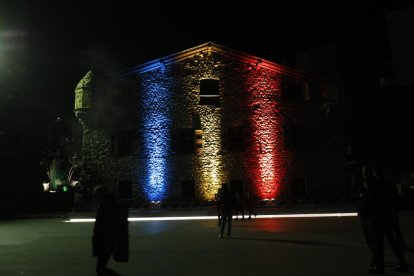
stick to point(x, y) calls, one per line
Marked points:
point(364, 179)
point(105, 232)
point(217, 197)
point(382, 209)
point(239, 204)
point(250, 201)
point(395, 217)
point(227, 206)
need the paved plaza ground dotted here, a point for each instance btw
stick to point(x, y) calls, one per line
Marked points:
point(261, 246)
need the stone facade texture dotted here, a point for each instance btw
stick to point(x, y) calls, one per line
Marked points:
point(158, 102)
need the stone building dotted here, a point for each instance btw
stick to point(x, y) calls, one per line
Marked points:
point(176, 128)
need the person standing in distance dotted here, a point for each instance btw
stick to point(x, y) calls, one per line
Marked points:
point(382, 205)
point(227, 206)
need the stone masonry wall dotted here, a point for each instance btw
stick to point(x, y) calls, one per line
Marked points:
point(251, 98)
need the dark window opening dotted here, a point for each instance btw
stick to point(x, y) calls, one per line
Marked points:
point(209, 92)
point(209, 87)
point(210, 100)
point(187, 140)
point(122, 143)
point(184, 141)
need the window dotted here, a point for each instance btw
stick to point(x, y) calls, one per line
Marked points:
point(198, 139)
point(184, 140)
point(122, 143)
point(209, 92)
point(234, 139)
point(187, 140)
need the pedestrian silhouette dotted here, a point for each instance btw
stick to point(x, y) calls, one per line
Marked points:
point(396, 228)
point(217, 198)
point(382, 206)
point(239, 203)
point(226, 209)
point(364, 178)
point(250, 201)
point(109, 231)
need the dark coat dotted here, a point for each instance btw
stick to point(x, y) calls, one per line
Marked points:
point(110, 229)
point(383, 198)
point(227, 202)
point(364, 179)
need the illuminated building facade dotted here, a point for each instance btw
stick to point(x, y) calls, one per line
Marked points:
point(178, 127)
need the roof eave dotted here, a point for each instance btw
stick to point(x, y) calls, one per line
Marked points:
point(210, 47)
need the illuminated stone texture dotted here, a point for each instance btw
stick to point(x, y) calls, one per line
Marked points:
point(166, 99)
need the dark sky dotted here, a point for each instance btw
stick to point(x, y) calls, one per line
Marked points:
point(46, 47)
point(56, 42)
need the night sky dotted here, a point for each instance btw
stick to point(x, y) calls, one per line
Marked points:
point(56, 42)
point(46, 47)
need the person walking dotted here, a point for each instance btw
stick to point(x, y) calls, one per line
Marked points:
point(382, 209)
point(217, 199)
point(364, 179)
point(396, 197)
point(226, 200)
point(106, 230)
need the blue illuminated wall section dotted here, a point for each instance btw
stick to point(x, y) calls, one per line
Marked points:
point(155, 127)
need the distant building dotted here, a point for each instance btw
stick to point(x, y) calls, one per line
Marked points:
point(175, 128)
point(400, 23)
point(374, 109)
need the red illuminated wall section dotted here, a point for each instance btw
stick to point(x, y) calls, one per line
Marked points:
point(267, 160)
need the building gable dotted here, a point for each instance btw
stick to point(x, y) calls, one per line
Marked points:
point(208, 48)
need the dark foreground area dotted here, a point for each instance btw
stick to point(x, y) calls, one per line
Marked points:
point(261, 246)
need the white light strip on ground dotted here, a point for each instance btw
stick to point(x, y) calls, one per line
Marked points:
point(215, 217)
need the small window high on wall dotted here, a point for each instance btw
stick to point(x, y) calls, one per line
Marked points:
point(235, 139)
point(184, 140)
point(209, 92)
